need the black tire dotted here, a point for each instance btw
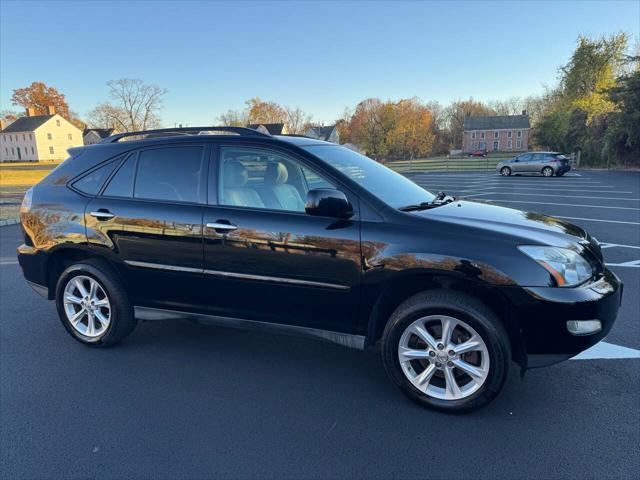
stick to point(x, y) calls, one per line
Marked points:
point(475, 314)
point(559, 174)
point(122, 320)
point(505, 171)
point(547, 172)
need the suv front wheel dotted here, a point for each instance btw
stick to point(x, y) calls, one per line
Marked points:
point(93, 305)
point(447, 351)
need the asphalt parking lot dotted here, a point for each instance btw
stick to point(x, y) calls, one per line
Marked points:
point(178, 400)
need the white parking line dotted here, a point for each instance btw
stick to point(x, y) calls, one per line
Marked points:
point(556, 195)
point(560, 204)
point(612, 245)
point(604, 350)
point(597, 220)
point(632, 264)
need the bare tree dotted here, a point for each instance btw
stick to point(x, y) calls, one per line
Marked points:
point(297, 120)
point(234, 118)
point(136, 106)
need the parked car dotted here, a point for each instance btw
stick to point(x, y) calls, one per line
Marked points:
point(546, 164)
point(478, 153)
point(231, 226)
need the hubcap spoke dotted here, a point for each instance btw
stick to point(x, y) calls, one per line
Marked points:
point(452, 389)
point(79, 285)
point(471, 370)
point(102, 303)
point(93, 293)
point(68, 298)
point(469, 346)
point(101, 318)
point(424, 378)
point(411, 354)
point(422, 333)
point(74, 319)
point(90, 325)
point(448, 325)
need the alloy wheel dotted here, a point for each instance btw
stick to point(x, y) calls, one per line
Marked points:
point(87, 306)
point(547, 172)
point(505, 172)
point(443, 357)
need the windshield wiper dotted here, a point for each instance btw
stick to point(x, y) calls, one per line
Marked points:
point(441, 199)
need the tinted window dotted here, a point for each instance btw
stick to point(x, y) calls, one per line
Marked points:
point(538, 157)
point(259, 178)
point(92, 182)
point(524, 158)
point(121, 184)
point(170, 174)
point(391, 187)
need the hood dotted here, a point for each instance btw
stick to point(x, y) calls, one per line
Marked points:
point(534, 227)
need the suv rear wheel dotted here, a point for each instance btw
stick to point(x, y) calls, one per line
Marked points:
point(447, 351)
point(93, 305)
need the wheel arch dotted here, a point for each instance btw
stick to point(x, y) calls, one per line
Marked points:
point(65, 256)
point(398, 289)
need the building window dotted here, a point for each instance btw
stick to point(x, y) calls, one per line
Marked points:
point(482, 135)
point(57, 123)
point(519, 133)
point(12, 151)
point(49, 136)
point(33, 151)
point(495, 134)
point(31, 136)
point(509, 144)
point(70, 137)
point(24, 137)
point(10, 138)
point(509, 134)
point(6, 150)
point(473, 135)
point(51, 150)
point(519, 144)
point(496, 146)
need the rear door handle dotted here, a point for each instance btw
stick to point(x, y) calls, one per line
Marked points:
point(102, 214)
point(226, 227)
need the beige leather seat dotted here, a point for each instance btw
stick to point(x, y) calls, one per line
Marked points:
point(278, 193)
point(235, 192)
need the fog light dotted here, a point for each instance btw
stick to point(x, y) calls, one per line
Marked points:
point(584, 327)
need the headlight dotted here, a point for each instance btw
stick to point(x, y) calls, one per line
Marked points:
point(567, 267)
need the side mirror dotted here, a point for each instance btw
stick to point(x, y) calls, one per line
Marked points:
point(328, 202)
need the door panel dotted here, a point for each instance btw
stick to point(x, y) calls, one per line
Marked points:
point(274, 262)
point(149, 218)
point(283, 267)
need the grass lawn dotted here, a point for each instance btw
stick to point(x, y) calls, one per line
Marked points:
point(15, 179)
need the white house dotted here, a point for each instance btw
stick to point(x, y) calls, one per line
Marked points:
point(328, 134)
point(38, 138)
point(96, 135)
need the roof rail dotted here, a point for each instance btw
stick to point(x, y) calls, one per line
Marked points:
point(165, 132)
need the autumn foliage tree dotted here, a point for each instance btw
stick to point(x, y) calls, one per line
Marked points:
point(39, 96)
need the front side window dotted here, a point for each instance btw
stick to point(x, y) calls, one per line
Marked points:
point(172, 174)
point(259, 178)
point(390, 187)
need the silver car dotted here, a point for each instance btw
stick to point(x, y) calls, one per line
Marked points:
point(546, 164)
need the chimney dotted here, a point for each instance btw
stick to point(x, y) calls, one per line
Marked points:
point(51, 110)
point(31, 112)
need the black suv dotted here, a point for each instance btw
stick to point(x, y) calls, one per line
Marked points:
point(231, 226)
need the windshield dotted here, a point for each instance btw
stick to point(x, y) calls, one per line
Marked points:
point(389, 186)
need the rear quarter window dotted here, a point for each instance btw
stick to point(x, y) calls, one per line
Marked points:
point(92, 182)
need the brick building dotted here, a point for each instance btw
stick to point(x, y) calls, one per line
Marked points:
point(501, 133)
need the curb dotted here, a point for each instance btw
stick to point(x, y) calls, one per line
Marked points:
point(9, 221)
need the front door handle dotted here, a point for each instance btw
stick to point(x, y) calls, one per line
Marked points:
point(225, 227)
point(102, 214)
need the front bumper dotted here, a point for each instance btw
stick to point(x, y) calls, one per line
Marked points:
point(543, 312)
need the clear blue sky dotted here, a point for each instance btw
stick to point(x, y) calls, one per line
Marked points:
point(320, 56)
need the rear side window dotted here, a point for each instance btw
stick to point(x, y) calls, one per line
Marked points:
point(121, 184)
point(171, 174)
point(92, 182)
